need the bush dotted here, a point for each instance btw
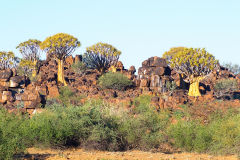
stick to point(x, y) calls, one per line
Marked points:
point(13, 134)
point(115, 81)
point(224, 88)
point(190, 136)
point(79, 68)
point(68, 97)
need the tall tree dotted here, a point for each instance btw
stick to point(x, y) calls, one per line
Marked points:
point(101, 56)
point(195, 64)
point(60, 46)
point(30, 51)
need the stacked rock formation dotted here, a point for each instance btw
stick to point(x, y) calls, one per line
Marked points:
point(14, 93)
point(154, 74)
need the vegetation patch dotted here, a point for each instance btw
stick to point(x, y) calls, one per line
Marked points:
point(115, 81)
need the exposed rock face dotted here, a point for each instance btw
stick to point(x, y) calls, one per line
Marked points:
point(154, 74)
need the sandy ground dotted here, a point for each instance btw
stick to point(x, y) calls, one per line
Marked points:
point(79, 154)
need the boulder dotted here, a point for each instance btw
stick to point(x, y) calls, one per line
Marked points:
point(159, 71)
point(145, 63)
point(158, 62)
point(78, 58)
point(144, 83)
point(69, 60)
point(53, 91)
point(15, 81)
point(5, 75)
point(7, 96)
point(132, 70)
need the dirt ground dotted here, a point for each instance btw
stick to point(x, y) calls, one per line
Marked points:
point(79, 154)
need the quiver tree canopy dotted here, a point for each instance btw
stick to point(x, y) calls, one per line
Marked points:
point(30, 51)
point(195, 64)
point(60, 46)
point(169, 54)
point(7, 60)
point(101, 56)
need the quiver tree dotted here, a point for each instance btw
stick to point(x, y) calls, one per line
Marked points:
point(194, 64)
point(169, 54)
point(7, 60)
point(30, 51)
point(60, 46)
point(101, 56)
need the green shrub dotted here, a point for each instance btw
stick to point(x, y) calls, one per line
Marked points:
point(79, 67)
point(190, 136)
point(13, 134)
point(224, 88)
point(68, 97)
point(115, 81)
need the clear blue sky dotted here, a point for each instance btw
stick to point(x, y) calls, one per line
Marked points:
point(139, 28)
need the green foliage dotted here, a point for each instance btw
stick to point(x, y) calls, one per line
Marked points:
point(219, 136)
point(79, 68)
point(225, 87)
point(190, 136)
point(196, 62)
point(171, 86)
point(99, 125)
point(69, 97)
point(234, 68)
point(101, 56)
point(13, 134)
point(116, 81)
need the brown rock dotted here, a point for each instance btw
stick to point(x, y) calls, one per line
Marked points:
point(15, 81)
point(119, 65)
point(144, 83)
point(159, 62)
point(69, 60)
point(53, 91)
point(5, 75)
point(155, 99)
point(78, 58)
point(4, 83)
point(145, 63)
point(7, 96)
point(132, 70)
point(159, 71)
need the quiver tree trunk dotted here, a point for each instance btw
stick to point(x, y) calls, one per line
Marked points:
point(194, 87)
point(61, 78)
point(34, 72)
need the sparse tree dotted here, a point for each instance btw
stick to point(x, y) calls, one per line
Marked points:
point(101, 56)
point(60, 46)
point(7, 60)
point(30, 51)
point(195, 64)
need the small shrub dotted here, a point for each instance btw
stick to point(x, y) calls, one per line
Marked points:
point(79, 68)
point(68, 97)
point(224, 88)
point(171, 87)
point(115, 81)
